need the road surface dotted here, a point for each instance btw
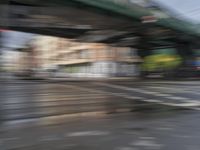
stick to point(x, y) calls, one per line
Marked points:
point(125, 115)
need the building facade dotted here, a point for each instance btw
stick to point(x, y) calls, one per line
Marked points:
point(76, 59)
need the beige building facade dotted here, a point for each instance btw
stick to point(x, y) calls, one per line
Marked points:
point(77, 59)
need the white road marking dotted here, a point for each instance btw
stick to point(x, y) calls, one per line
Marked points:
point(182, 104)
point(126, 148)
point(108, 93)
point(88, 133)
point(169, 96)
point(185, 101)
point(177, 98)
point(175, 82)
point(175, 90)
point(162, 95)
point(165, 128)
point(147, 143)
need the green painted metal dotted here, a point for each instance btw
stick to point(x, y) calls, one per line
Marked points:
point(126, 8)
point(122, 7)
point(137, 12)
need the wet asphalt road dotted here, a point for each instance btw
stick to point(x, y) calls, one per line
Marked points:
point(125, 115)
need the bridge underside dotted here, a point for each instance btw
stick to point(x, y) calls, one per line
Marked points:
point(86, 23)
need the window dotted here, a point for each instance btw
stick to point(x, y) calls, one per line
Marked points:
point(84, 54)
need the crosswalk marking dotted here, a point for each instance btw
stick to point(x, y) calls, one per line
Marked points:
point(88, 133)
point(177, 98)
point(154, 93)
point(196, 83)
point(175, 90)
point(97, 95)
point(182, 101)
point(169, 96)
point(188, 104)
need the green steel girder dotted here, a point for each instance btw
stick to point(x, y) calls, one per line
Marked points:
point(137, 12)
point(121, 7)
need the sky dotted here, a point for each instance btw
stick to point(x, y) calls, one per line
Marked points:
point(14, 39)
point(188, 9)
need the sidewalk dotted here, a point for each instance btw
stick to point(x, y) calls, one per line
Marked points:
point(78, 79)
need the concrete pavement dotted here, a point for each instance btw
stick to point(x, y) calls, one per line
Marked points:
point(36, 99)
point(124, 115)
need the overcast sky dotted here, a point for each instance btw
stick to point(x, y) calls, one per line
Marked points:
point(188, 8)
point(15, 39)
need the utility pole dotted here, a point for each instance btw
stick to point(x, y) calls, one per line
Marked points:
point(1, 86)
point(1, 65)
